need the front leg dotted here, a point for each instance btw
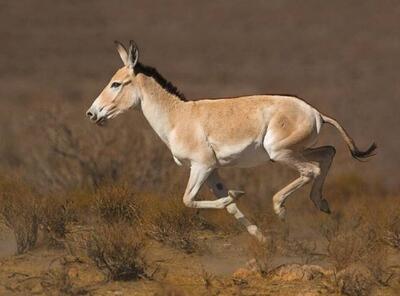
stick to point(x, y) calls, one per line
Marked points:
point(198, 175)
point(218, 188)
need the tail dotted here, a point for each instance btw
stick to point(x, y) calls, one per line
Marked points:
point(355, 152)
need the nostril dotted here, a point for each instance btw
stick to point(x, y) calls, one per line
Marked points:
point(91, 115)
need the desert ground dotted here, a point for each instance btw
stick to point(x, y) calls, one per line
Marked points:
point(89, 210)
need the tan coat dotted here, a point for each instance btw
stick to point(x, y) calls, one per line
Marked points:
point(242, 131)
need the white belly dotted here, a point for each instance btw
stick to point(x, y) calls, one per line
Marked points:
point(245, 154)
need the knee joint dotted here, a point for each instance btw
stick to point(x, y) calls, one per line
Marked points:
point(316, 172)
point(188, 202)
point(277, 198)
point(311, 173)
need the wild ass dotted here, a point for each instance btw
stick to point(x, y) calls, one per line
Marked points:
point(228, 132)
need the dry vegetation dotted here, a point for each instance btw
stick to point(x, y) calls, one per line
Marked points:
point(353, 252)
point(19, 212)
point(117, 249)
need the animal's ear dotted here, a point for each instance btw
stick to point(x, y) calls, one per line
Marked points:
point(122, 52)
point(133, 54)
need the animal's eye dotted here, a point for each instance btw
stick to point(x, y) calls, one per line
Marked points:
point(115, 84)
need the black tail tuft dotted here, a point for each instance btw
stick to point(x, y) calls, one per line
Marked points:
point(360, 155)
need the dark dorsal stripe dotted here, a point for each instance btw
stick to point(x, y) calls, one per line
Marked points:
point(164, 83)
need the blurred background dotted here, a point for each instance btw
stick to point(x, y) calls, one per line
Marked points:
point(55, 58)
point(73, 187)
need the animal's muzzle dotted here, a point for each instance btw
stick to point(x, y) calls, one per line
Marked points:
point(92, 115)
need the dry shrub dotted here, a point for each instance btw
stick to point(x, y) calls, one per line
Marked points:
point(391, 234)
point(167, 220)
point(74, 154)
point(61, 282)
point(357, 254)
point(385, 224)
point(58, 279)
point(344, 249)
point(348, 240)
point(72, 158)
point(306, 250)
point(378, 265)
point(356, 280)
point(164, 219)
point(19, 212)
point(55, 215)
point(207, 279)
point(116, 203)
point(118, 251)
point(263, 254)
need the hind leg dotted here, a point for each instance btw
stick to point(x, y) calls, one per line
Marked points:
point(284, 142)
point(324, 156)
point(308, 172)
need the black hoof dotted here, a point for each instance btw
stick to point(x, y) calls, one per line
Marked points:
point(324, 207)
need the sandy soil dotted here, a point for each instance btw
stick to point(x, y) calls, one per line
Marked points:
point(220, 268)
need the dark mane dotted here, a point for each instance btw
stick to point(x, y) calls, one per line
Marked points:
point(165, 84)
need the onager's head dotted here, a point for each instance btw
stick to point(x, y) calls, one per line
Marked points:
point(122, 92)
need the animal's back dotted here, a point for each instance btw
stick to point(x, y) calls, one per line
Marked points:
point(234, 128)
point(229, 119)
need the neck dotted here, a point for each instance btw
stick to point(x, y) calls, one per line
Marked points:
point(158, 105)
